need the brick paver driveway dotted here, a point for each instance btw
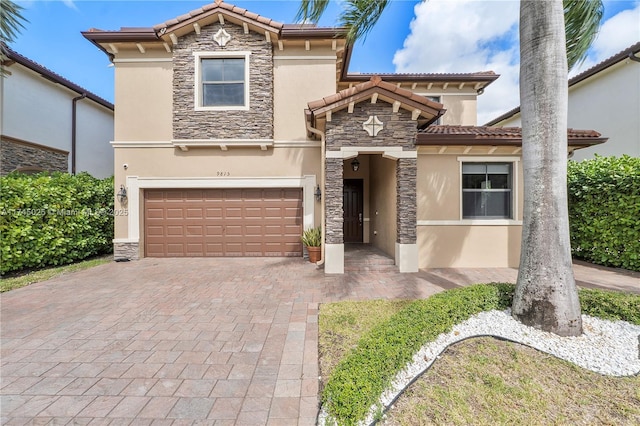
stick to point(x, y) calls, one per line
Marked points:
point(185, 341)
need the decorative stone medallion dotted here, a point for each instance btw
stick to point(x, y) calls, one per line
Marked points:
point(222, 37)
point(373, 126)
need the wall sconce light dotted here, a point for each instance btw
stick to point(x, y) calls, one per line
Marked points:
point(355, 164)
point(122, 194)
point(318, 193)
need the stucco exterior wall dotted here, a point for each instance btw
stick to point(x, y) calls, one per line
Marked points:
point(144, 98)
point(444, 238)
point(300, 77)
point(461, 110)
point(618, 88)
point(383, 204)
point(39, 111)
point(474, 246)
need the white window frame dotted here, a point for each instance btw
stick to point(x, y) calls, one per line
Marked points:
point(197, 101)
point(514, 189)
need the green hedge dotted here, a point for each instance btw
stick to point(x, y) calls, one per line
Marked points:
point(604, 210)
point(53, 219)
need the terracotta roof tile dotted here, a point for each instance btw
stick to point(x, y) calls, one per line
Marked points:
point(493, 132)
point(224, 6)
point(367, 89)
point(487, 135)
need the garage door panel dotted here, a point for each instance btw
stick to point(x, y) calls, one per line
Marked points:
point(223, 222)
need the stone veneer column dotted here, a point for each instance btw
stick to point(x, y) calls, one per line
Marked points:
point(406, 243)
point(334, 216)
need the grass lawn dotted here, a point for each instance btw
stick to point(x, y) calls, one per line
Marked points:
point(484, 380)
point(20, 280)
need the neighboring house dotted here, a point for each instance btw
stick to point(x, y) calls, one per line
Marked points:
point(234, 133)
point(606, 97)
point(51, 124)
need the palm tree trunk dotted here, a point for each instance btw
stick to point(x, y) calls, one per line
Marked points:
point(546, 295)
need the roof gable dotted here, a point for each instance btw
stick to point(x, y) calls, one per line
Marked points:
point(373, 89)
point(218, 12)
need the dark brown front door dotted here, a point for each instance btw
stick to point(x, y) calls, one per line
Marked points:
point(352, 210)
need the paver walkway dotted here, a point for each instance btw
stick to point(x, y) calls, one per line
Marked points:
point(190, 341)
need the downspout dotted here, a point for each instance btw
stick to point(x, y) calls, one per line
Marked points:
point(322, 178)
point(633, 57)
point(74, 111)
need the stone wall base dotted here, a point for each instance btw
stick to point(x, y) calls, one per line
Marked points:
point(126, 250)
point(26, 157)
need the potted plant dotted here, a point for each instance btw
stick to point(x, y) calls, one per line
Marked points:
point(312, 239)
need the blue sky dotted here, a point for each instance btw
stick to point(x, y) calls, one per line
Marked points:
point(412, 36)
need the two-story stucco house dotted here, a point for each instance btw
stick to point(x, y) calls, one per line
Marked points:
point(48, 123)
point(233, 133)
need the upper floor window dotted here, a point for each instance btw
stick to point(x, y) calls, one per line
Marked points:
point(222, 80)
point(487, 190)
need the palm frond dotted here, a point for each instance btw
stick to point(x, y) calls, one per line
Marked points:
point(582, 21)
point(360, 16)
point(311, 10)
point(11, 20)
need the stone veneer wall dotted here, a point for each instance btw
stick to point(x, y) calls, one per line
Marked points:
point(406, 174)
point(129, 251)
point(345, 129)
point(333, 199)
point(257, 122)
point(15, 155)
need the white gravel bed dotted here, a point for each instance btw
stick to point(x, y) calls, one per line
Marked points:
point(606, 347)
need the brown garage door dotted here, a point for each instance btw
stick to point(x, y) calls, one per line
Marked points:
point(223, 222)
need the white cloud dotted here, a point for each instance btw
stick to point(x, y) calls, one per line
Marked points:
point(467, 36)
point(482, 35)
point(616, 34)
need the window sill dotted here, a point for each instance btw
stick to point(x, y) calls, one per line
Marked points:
point(222, 108)
point(223, 144)
point(471, 222)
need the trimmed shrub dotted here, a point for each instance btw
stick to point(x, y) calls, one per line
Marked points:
point(610, 305)
point(53, 219)
point(359, 379)
point(604, 210)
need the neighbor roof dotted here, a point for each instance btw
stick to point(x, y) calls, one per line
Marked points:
point(45, 72)
point(618, 57)
point(495, 136)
